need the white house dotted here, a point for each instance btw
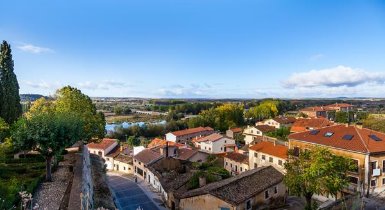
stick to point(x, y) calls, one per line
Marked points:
point(103, 149)
point(236, 163)
point(183, 136)
point(251, 133)
point(279, 122)
point(215, 143)
point(266, 154)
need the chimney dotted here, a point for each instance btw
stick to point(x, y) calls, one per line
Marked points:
point(359, 125)
point(202, 181)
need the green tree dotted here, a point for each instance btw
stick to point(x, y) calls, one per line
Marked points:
point(316, 171)
point(10, 107)
point(47, 133)
point(133, 141)
point(4, 130)
point(72, 100)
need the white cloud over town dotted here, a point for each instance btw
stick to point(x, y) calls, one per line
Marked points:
point(34, 49)
point(338, 76)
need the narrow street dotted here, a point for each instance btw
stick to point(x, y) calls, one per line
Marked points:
point(129, 196)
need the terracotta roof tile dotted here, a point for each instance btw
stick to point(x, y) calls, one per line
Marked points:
point(316, 109)
point(185, 154)
point(269, 148)
point(212, 137)
point(148, 156)
point(284, 120)
point(236, 130)
point(238, 189)
point(265, 128)
point(360, 141)
point(161, 142)
point(343, 105)
point(237, 157)
point(103, 144)
point(191, 131)
point(305, 124)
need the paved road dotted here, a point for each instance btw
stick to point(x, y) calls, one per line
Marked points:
point(128, 195)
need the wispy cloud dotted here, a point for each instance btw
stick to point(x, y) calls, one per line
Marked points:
point(34, 49)
point(333, 77)
point(317, 57)
point(103, 85)
point(43, 85)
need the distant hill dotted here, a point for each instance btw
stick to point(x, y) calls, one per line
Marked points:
point(30, 97)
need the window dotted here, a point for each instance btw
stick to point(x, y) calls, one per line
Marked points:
point(263, 157)
point(373, 165)
point(255, 165)
point(251, 131)
point(255, 154)
point(221, 148)
point(271, 159)
point(328, 134)
point(225, 141)
point(226, 163)
point(296, 151)
point(108, 159)
point(124, 168)
point(266, 194)
point(275, 189)
point(280, 162)
point(240, 168)
point(248, 204)
point(383, 181)
point(373, 183)
point(353, 180)
point(231, 165)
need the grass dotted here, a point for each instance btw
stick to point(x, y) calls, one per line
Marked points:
point(133, 118)
point(19, 175)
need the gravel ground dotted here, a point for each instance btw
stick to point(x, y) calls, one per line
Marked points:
point(50, 194)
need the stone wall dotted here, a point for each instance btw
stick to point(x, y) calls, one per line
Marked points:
point(87, 185)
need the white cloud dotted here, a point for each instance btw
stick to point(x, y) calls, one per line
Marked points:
point(34, 49)
point(340, 76)
point(104, 85)
point(317, 57)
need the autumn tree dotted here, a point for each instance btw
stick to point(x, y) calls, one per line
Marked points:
point(266, 109)
point(317, 171)
point(10, 107)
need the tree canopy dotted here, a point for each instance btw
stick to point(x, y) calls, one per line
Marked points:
point(10, 107)
point(220, 118)
point(266, 109)
point(317, 171)
point(48, 133)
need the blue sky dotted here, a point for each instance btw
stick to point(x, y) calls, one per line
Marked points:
point(198, 48)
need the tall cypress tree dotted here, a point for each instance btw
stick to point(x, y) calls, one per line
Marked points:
point(10, 107)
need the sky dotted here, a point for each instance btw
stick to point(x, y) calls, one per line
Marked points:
point(198, 48)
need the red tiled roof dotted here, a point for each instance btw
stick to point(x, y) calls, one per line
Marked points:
point(284, 120)
point(185, 154)
point(237, 157)
point(148, 156)
point(236, 130)
point(103, 144)
point(305, 124)
point(212, 137)
point(265, 128)
point(276, 150)
point(161, 142)
point(191, 131)
point(360, 141)
point(339, 105)
point(316, 109)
